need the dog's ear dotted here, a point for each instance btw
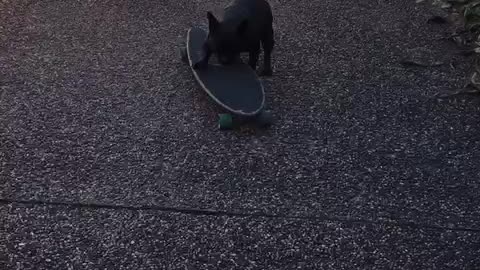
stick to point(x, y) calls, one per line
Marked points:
point(242, 27)
point(212, 22)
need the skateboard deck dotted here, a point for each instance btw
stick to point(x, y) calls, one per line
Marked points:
point(235, 87)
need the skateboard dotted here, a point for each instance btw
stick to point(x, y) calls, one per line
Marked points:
point(236, 87)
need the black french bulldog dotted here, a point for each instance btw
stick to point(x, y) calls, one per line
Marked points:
point(245, 24)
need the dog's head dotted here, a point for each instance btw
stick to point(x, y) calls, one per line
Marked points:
point(225, 40)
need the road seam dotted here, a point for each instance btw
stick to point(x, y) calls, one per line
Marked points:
point(211, 212)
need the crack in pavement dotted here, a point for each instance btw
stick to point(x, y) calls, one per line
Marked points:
point(258, 214)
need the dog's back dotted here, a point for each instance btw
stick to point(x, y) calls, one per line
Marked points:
point(258, 12)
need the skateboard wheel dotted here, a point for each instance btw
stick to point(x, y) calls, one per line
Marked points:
point(265, 119)
point(183, 54)
point(225, 121)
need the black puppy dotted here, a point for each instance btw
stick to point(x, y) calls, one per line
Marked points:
point(245, 24)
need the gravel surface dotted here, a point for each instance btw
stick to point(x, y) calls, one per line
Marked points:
point(96, 107)
point(78, 238)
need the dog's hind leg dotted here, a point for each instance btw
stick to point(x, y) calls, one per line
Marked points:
point(267, 43)
point(254, 53)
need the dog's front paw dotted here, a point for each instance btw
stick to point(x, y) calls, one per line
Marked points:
point(200, 65)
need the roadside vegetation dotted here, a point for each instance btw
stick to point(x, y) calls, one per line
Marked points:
point(464, 17)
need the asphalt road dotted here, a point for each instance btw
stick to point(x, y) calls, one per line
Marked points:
point(110, 157)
